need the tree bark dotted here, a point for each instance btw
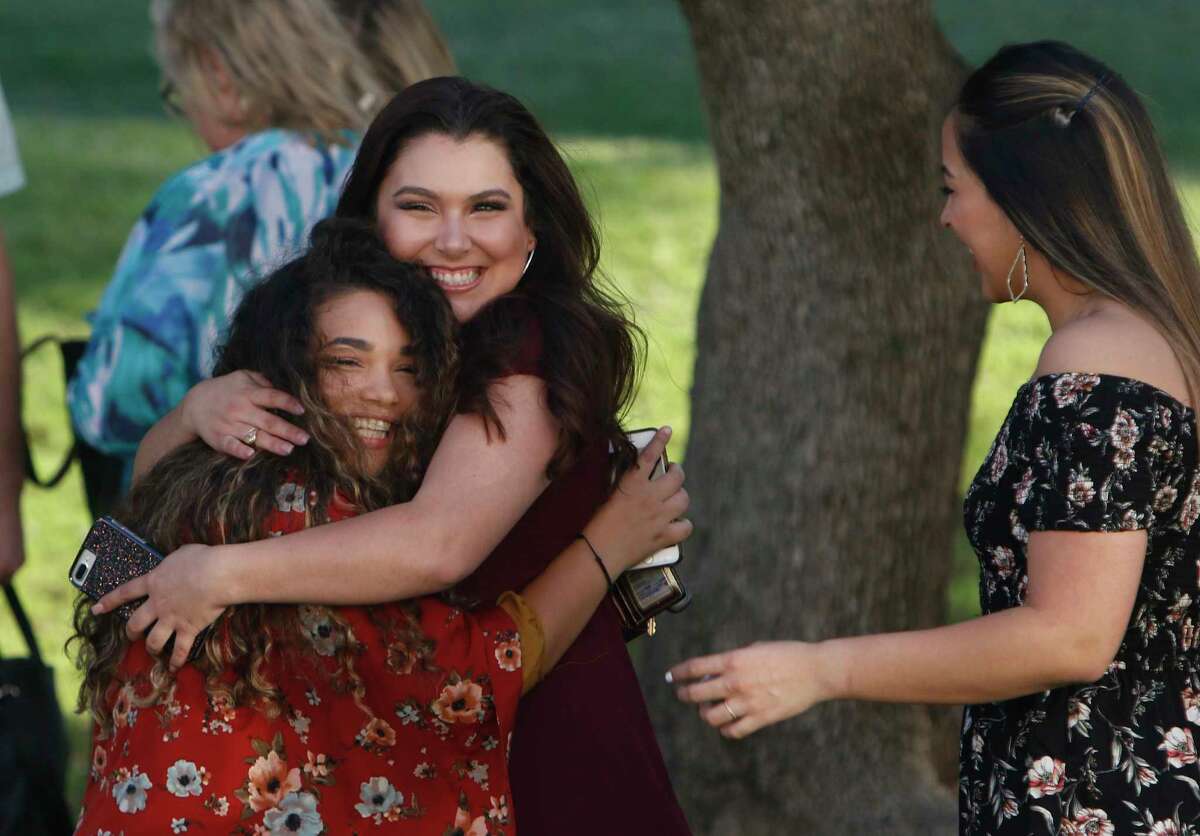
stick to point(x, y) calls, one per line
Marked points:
point(836, 345)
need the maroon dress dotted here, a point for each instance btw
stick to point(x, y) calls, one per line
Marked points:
point(584, 759)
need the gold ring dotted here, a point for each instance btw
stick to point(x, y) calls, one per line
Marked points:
point(250, 436)
point(732, 715)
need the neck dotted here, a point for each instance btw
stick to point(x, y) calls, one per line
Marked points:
point(1063, 298)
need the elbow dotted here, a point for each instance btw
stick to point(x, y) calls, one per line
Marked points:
point(1085, 660)
point(455, 562)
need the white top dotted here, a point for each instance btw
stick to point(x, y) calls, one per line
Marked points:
point(12, 177)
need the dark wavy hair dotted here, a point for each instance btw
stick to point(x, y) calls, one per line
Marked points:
point(197, 494)
point(590, 346)
point(1067, 150)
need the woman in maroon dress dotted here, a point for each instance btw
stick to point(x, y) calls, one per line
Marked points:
point(462, 179)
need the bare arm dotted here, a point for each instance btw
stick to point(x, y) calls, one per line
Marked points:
point(1081, 592)
point(476, 488)
point(12, 465)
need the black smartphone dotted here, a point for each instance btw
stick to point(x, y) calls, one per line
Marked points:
point(111, 555)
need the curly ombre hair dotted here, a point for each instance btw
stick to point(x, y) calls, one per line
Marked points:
point(197, 494)
point(295, 63)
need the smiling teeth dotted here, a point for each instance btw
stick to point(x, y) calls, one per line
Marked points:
point(455, 278)
point(371, 427)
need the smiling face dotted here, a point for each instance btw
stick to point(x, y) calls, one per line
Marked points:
point(977, 221)
point(456, 207)
point(365, 372)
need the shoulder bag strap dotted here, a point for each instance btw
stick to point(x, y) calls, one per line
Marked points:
point(18, 612)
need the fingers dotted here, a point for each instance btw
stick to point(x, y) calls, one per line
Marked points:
point(182, 649)
point(159, 634)
point(123, 594)
point(143, 619)
point(696, 668)
point(676, 505)
point(677, 531)
point(705, 689)
point(670, 482)
point(653, 451)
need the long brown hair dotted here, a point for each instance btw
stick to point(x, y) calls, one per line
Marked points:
point(590, 346)
point(1066, 148)
point(197, 494)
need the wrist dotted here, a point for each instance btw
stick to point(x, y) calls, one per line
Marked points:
point(222, 577)
point(831, 670)
point(611, 554)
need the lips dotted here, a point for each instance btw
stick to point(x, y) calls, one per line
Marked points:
point(457, 280)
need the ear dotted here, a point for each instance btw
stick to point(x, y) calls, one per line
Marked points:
point(226, 95)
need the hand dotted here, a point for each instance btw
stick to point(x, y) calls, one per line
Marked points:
point(12, 547)
point(222, 410)
point(743, 690)
point(181, 600)
point(643, 515)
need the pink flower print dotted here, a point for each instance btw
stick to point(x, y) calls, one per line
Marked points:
point(1178, 745)
point(1047, 776)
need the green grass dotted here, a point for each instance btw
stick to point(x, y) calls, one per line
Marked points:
point(614, 81)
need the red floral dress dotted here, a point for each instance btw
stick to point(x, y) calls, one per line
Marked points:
point(412, 737)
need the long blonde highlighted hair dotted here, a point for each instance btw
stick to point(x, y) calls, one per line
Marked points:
point(1066, 148)
point(294, 63)
point(400, 38)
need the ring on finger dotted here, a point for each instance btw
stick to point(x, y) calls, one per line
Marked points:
point(732, 714)
point(250, 436)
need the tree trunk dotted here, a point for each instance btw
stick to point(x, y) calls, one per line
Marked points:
point(837, 337)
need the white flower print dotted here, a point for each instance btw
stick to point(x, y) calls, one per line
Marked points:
point(478, 773)
point(1178, 745)
point(1088, 822)
point(1018, 530)
point(130, 794)
point(296, 813)
point(1002, 561)
point(183, 779)
point(1180, 606)
point(1164, 499)
point(378, 796)
point(289, 497)
point(1082, 490)
point(319, 628)
point(1165, 827)
point(499, 810)
point(1069, 387)
point(1124, 431)
point(179, 825)
point(1047, 776)
point(1021, 489)
point(1078, 714)
point(1191, 704)
point(999, 460)
point(300, 724)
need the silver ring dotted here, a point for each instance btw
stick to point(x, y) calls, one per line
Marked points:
point(732, 715)
point(250, 436)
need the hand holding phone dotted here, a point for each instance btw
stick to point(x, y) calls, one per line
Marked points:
point(111, 555)
point(671, 554)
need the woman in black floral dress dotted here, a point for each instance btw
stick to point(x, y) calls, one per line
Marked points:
point(1083, 674)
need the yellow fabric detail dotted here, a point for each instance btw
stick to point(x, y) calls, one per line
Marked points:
point(533, 638)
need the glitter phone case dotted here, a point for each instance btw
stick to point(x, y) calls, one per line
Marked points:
point(111, 554)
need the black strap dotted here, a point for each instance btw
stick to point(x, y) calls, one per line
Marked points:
point(30, 472)
point(18, 612)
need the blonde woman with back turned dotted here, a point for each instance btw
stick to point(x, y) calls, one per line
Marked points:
point(1083, 674)
point(274, 89)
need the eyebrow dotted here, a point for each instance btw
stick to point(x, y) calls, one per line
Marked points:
point(352, 342)
point(418, 190)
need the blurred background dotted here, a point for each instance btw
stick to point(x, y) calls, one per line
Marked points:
point(614, 82)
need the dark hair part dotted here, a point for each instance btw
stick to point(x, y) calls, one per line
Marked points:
point(590, 347)
point(197, 494)
point(1066, 149)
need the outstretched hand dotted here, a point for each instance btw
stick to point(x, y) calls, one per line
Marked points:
point(743, 690)
point(222, 410)
point(181, 599)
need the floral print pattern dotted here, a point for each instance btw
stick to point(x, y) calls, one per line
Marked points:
point(405, 739)
point(1092, 452)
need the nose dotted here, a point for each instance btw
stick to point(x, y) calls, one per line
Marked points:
point(944, 218)
point(382, 386)
point(452, 239)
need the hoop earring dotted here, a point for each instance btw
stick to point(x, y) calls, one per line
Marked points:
point(1021, 257)
point(528, 261)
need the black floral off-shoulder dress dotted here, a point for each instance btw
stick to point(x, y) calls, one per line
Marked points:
point(1087, 452)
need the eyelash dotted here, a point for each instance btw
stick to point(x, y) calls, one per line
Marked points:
point(487, 206)
point(349, 362)
point(947, 191)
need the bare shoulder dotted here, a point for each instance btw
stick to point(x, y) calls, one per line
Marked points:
point(1115, 341)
